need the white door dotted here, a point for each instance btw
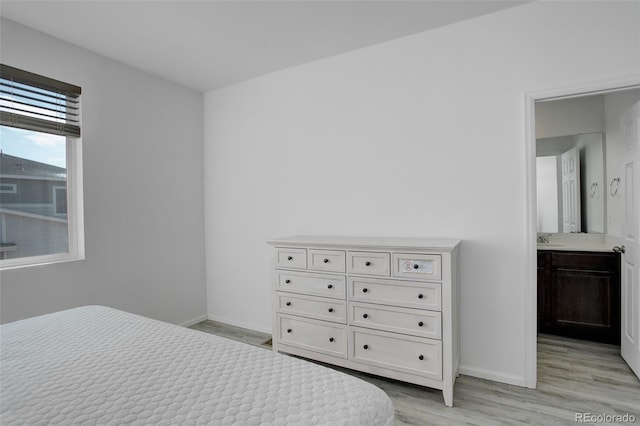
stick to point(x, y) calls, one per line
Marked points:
point(571, 191)
point(630, 273)
point(630, 279)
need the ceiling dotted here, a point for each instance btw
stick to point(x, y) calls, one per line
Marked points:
point(209, 44)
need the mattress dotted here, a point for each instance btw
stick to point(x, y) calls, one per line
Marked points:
point(98, 365)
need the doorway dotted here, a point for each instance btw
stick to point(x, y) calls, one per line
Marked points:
point(612, 215)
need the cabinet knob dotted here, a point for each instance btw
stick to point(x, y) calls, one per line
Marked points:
point(331, 339)
point(289, 330)
point(365, 315)
point(420, 324)
point(416, 266)
point(330, 309)
point(288, 303)
point(287, 281)
point(326, 261)
point(421, 357)
point(364, 290)
point(420, 296)
point(290, 258)
point(367, 263)
point(330, 286)
point(366, 347)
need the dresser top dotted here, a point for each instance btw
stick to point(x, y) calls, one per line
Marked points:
point(367, 242)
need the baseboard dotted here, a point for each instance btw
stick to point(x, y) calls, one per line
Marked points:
point(240, 324)
point(492, 375)
point(193, 321)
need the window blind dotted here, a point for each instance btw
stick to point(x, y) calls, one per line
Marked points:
point(34, 102)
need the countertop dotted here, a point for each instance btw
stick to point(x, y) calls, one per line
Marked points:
point(575, 247)
point(579, 242)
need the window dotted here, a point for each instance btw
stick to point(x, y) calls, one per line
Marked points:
point(41, 218)
point(60, 200)
point(8, 188)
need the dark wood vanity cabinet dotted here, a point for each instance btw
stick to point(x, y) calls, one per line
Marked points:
point(579, 294)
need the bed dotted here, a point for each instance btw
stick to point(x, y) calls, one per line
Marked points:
point(98, 365)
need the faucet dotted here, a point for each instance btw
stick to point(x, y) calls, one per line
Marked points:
point(543, 238)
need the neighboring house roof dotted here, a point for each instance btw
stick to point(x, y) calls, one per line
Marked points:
point(16, 166)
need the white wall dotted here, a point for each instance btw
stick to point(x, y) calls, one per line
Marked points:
point(622, 117)
point(421, 136)
point(143, 183)
point(592, 182)
point(547, 193)
point(554, 146)
point(568, 117)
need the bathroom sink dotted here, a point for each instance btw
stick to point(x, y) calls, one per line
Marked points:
point(550, 245)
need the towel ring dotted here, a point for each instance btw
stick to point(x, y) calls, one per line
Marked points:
point(594, 189)
point(613, 186)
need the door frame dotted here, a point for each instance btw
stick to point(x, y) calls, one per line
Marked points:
point(531, 289)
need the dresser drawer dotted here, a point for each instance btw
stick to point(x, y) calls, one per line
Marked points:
point(417, 266)
point(291, 258)
point(314, 307)
point(368, 263)
point(408, 354)
point(326, 260)
point(415, 322)
point(318, 336)
point(314, 284)
point(408, 294)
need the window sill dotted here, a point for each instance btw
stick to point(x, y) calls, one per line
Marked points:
point(26, 262)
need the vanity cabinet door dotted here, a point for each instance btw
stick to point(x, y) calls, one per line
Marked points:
point(581, 296)
point(544, 291)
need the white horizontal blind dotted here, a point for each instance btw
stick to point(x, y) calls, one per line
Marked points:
point(34, 102)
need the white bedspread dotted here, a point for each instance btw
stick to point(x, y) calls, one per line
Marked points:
point(97, 365)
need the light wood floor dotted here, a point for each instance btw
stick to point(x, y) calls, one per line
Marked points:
point(573, 377)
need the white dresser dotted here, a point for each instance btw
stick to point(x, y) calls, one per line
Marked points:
point(386, 306)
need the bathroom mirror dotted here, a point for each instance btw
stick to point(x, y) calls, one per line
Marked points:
point(570, 183)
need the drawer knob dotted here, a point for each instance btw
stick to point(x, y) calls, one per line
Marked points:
point(287, 281)
point(367, 263)
point(416, 266)
point(330, 286)
point(365, 315)
point(366, 347)
point(330, 309)
point(421, 357)
point(290, 258)
point(364, 290)
point(288, 303)
point(326, 261)
point(289, 330)
point(420, 296)
point(420, 324)
point(331, 339)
